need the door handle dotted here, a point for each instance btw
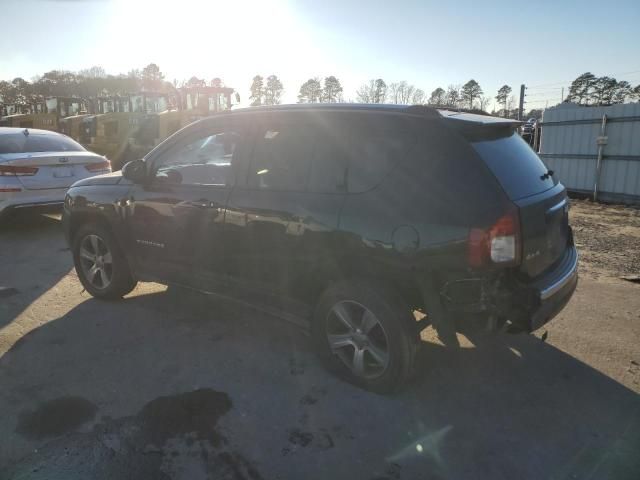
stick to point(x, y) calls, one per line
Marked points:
point(197, 203)
point(203, 204)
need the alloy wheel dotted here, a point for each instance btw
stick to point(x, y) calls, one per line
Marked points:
point(96, 261)
point(356, 336)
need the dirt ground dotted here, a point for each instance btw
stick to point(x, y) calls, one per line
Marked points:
point(608, 237)
point(167, 384)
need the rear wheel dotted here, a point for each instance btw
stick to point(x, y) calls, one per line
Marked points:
point(365, 334)
point(100, 264)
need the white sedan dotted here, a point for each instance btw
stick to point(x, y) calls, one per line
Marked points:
point(38, 166)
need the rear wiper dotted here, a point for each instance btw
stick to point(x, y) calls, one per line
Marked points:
point(549, 174)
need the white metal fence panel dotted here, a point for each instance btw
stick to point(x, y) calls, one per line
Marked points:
point(569, 146)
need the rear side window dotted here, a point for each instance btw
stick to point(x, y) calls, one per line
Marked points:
point(516, 166)
point(376, 146)
point(282, 157)
point(21, 143)
point(330, 158)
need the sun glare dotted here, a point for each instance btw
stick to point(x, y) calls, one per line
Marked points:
point(233, 40)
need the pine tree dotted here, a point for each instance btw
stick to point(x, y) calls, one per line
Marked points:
point(503, 96)
point(273, 90)
point(470, 91)
point(310, 91)
point(257, 91)
point(332, 90)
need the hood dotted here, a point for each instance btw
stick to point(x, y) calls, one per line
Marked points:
point(105, 179)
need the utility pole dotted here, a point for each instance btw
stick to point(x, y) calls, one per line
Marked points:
point(562, 95)
point(521, 105)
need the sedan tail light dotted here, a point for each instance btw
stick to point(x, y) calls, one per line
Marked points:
point(98, 166)
point(499, 244)
point(17, 171)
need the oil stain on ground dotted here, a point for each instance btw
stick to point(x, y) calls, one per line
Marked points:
point(55, 417)
point(168, 436)
point(197, 412)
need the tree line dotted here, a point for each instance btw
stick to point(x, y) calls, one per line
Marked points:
point(92, 82)
point(586, 89)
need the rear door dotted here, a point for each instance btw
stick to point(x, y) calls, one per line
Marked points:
point(542, 201)
point(280, 218)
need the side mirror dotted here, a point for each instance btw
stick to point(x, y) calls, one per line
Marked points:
point(136, 171)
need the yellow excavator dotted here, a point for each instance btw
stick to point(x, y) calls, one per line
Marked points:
point(128, 127)
point(122, 127)
point(45, 115)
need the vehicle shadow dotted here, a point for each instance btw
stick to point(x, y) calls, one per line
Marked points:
point(510, 407)
point(33, 258)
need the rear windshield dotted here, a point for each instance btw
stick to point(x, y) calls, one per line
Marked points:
point(21, 143)
point(516, 166)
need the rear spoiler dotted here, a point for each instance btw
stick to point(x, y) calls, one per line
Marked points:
point(479, 120)
point(480, 127)
point(469, 117)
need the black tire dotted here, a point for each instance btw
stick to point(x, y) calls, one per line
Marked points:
point(121, 279)
point(396, 324)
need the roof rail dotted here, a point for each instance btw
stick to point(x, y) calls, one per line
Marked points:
point(451, 108)
point(426, 110)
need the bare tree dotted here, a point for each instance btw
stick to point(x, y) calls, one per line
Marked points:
point(484, 102)
point(93, 72)
point(418, 97)
point(374, 91)
point(453, 97)
point(401, 93)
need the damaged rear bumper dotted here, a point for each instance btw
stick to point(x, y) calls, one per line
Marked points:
point(527, 304)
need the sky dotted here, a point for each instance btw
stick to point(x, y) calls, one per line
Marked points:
point(543, 44)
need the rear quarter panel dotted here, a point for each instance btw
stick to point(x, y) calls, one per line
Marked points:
point(418, 218)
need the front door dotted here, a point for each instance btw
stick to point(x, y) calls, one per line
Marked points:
point(178, 218)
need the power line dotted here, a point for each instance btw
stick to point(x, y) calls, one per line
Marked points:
point(537, 94)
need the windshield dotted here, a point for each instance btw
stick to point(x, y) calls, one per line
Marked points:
point(20, 143)
point(156, 104)
point(52, 105)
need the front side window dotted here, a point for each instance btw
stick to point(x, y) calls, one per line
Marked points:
point(205, 160)
point(282, 157)
point(330, 157)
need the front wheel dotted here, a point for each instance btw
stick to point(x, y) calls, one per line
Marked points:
point(364, 333)
point(100, 264)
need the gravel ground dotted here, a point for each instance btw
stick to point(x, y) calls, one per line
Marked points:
point(170, 385)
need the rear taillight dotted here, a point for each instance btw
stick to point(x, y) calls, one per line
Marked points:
point(99, 166)
point(499, 244)
point(17, 171)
